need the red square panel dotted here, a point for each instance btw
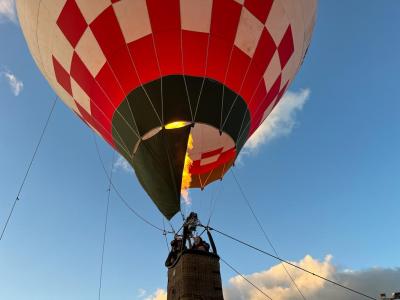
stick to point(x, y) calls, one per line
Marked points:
point(71, 22)
point(168, 48)
point(62, 76)
point(145, 59)
point(237, 69)
point(164, 15)
point(259, 95)
point(252, 81)
point(265, 50)
point(194, 46)
point(259, 8)
point(286, 47)
point(225, 19)
point(109, 84)
point(107, 32)
point(219, 52)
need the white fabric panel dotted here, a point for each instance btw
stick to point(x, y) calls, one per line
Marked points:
point(80, 96)
point(90, 52)
point(196, 15)
point(239, 1)
point(273, 71)
point(54, 6)
point(277, 22)
point(290, 70)
point(248, 33)
point(133, 18)
point(310, 13)
point(294, 11)
point(206, 138)
point(55, 43)
point(92, 9)
point(49, 36)
point(28, 14)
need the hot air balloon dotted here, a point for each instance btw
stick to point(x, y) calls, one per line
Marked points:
point(175, 86)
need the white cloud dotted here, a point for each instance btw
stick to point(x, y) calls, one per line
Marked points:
point(280, 122)
point(122, 164)
point(160, 294)
point(15, 84)
point(7, 11)
point(275, 282)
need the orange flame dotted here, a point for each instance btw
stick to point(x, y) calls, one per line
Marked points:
point(186, 176)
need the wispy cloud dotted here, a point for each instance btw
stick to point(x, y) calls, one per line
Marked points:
point(122, 164)
point(275, 282)
point(7, 11)
point(15, 84)
point(141, 293)
point(280, 122)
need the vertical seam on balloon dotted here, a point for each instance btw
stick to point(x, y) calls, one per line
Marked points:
point(223, 171)
point(183, 71)
point(248, 107)
point(241, 86)
point(201, 184)
point(37, 41)
point(223, 86)
point(227, 70)
point(144, 89)
point(161, 77)
point(208, 177)
point(141, 84)
point(205, 73)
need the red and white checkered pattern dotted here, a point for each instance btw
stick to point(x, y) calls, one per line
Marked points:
point(94, 52)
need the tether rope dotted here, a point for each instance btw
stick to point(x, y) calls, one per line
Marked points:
point(105, 226)
point(292, 264)
point(247, 280)
point(28, 169)
point(264, 232)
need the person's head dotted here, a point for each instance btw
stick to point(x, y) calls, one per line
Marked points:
point(197, 240)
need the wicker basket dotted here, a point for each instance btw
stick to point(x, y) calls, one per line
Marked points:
point(195, 276)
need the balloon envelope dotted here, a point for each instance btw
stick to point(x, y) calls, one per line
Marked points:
point(176, 86)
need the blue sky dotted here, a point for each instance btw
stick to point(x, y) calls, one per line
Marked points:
point(325, 182)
